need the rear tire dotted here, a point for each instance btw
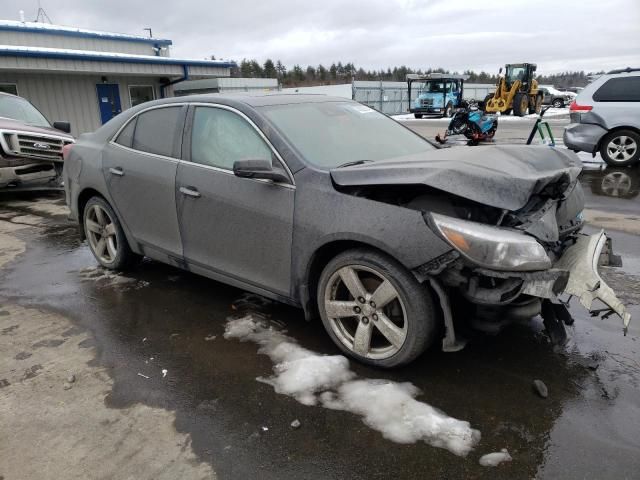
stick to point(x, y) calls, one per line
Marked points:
point(621, 148)
point(105, 236)
point(557, 103)
point(536, 107)
point(392, 333)
point(417, 115)
point(520, 104)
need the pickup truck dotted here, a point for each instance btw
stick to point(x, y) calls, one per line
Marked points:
point(30, 147)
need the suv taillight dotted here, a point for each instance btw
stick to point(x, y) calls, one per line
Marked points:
point(575, 107)
point(66, 150)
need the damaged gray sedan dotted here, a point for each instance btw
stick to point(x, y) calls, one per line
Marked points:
point(330, 206)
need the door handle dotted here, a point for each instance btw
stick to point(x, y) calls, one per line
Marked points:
point(116, 171)
point(189, 192)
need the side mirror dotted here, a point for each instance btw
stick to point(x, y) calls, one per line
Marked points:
point(260, 168)
point(62, 126)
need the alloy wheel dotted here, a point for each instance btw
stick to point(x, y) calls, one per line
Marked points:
point(101, 233)
point(365, 312)
point(622, 148)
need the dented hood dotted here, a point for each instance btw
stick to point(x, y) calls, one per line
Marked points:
point(500, 176)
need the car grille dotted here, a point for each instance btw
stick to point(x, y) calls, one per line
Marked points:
point(427, 102)
point(34, 146)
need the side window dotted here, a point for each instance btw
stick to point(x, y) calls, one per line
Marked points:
point(125, 137)
point(155, 131)
point(619, 90)
point(221, 137)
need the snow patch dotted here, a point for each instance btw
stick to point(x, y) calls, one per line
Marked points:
point(496, 458)
point(314, 379)
point(552, 112)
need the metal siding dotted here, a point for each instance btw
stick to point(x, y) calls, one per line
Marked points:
point(200, 70)
point(71, 98)
point(51, 40)
point(84, 66)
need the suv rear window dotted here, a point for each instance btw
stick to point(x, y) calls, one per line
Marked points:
point(619, 90)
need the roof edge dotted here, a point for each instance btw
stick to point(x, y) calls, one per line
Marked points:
point(71, 32)
point(8, 51)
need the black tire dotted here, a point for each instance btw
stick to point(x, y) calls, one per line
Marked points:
point(415, 299)
point(448, 111)
point(536, 106)
point(124, 257)
point(520, 104)
point(557, 103)
point(632, 141)
point(417, 115)
point(508, 111)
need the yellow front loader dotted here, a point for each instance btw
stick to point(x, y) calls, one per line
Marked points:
point(516, 91)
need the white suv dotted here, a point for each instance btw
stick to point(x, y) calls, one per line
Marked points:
point(605, 118)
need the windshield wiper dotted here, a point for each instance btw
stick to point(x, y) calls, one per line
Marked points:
point(356, 162)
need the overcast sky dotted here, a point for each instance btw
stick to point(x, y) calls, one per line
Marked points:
point(558, 35)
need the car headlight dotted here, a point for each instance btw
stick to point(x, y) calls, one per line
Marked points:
point(492, 247)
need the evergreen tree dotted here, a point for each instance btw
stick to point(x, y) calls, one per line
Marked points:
point(269, 69)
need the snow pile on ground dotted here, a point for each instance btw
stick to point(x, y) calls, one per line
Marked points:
point(314, 379)
point(496, 458)
point(552, 112)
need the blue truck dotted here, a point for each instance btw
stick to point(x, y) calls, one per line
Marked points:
point(437, 93)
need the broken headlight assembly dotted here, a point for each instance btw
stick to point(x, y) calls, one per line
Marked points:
point(491, 247)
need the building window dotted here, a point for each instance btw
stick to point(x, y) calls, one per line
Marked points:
point(141, 93)
point(11, 88)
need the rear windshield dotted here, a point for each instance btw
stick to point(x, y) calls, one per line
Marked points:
point(619, 90)
point(19, 109)
point(329, 134)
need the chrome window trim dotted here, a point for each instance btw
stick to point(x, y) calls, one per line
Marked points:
point(149, 154)
point(260, 133)
point(230, 173)
point(113, 142)
point(124, 125)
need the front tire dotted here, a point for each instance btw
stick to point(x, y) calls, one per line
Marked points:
point(417, 115)
point(621, 148)
point(105, 236)
point(448, 111)
point(520, 104)
point(374, 310)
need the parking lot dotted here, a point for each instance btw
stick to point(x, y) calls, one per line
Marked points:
point(135, 369)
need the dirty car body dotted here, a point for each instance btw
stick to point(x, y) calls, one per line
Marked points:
point(328, 205)
point(30, 148)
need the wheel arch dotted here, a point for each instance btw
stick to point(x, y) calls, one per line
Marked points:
point(83, 198)
point(318, 260)
point(613, 130)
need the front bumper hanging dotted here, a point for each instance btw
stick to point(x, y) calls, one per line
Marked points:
point(581, 260)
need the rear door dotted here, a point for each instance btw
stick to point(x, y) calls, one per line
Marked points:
point(240, 228)
point(140, 167)
point(617, 101)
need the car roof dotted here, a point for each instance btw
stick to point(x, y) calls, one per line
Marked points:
point(259, 100)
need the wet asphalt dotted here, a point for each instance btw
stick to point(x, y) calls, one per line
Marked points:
point(165, 318)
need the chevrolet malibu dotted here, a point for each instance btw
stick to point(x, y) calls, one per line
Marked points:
point(328, 205)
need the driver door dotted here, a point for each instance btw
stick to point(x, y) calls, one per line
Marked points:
point(238, 229)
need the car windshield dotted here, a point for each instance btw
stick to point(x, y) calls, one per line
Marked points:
point(329, 134)
point(19, 109)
